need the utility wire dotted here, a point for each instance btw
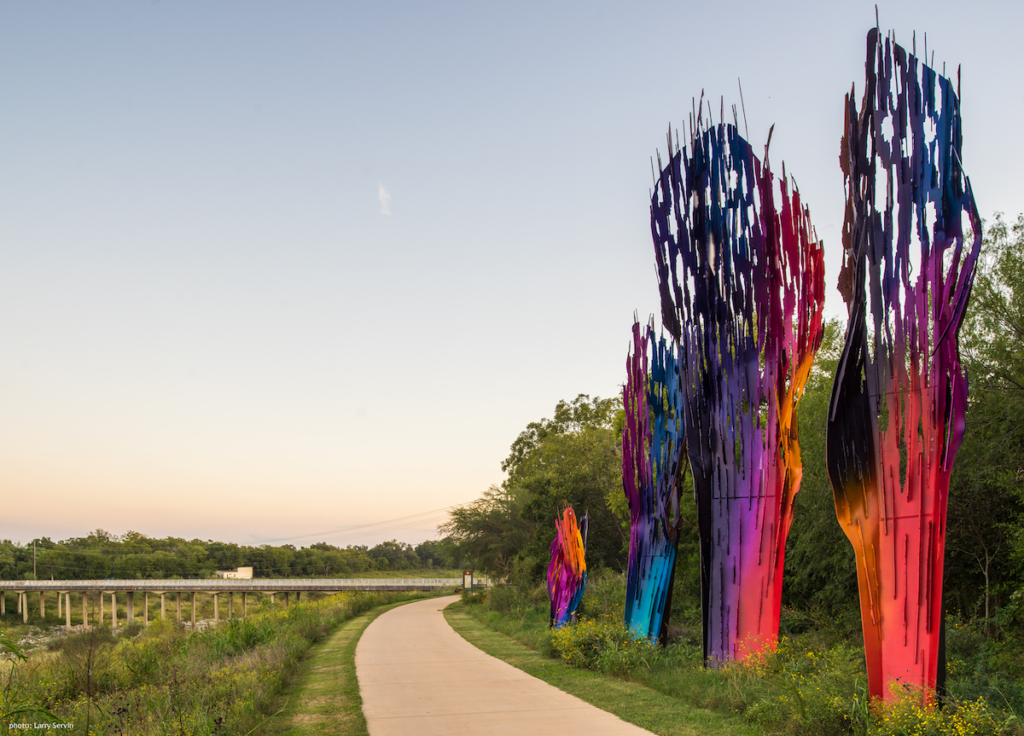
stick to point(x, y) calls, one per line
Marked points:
point(338, 534)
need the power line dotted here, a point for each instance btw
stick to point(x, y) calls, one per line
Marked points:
point(339, 534)
point(385, 530)
point(363, 526)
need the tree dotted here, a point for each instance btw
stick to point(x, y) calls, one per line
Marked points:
point(986, 499)
point(571, 459)
point(488, 533)
point(398, 555)
point(224, 556)
point(580, 466)
point(430, 553)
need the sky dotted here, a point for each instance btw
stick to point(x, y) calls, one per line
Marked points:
point(303, 271)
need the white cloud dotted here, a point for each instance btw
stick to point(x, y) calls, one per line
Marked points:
point(385, 200)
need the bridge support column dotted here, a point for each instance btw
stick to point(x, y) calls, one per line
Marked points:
point(67, 612)
point(42, 604)
point(286, 600)
point(59, 611)
point(113, 610)
point(193, 611)
point(245, 605)
point(231, 605)
point(19, 600)
point(179, 608)
point(163, 606)
point(101, 608)
point(145, 609)
point(271, 599)
point(216, 609)
point(298, 597)
point(24, 607)
point(3, 602)
point(85, 610)
point(129, 605)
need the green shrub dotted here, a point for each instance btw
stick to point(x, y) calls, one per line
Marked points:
point(605, 595)
point(972, 718)
point(980, 666)
point(472, 597)
point(503, 598)
point(603, 644)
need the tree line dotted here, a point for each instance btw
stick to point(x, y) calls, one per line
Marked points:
point(132, 555)
point(575, 458)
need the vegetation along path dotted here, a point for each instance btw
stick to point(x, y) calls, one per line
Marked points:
point(325, 695)
point(417, 676)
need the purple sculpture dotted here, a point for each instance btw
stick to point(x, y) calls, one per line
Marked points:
point(741, 278)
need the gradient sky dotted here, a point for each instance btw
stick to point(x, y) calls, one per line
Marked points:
point(271, 270)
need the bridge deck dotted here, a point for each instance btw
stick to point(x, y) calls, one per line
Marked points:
point(268, 585)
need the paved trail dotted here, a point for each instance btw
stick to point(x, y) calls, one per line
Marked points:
point(417, 676)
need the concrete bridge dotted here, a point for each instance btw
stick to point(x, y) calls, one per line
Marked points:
point(272, 587)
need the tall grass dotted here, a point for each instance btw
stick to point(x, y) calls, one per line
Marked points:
point(164, 680)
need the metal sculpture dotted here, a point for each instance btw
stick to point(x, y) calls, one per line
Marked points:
point(896, 417)
point(740, 273)
point(653, 468)
point(567, 571)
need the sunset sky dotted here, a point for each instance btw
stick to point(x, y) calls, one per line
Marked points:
point(274, 271)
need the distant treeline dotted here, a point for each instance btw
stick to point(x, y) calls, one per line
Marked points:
point(133, 555)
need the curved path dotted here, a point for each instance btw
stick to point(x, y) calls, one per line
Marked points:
point(417, 676)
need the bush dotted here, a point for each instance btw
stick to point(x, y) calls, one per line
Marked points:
point(472, 597)
point(603, 644)
point(502, 599)
point(906, 716)
point(605, 595)
point(804, 686)
point(983, 668)
point(517, 598)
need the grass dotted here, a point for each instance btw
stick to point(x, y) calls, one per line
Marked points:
point(630, 701)
point(324, 696)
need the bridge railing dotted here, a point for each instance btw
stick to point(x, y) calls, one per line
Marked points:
point(229, 584)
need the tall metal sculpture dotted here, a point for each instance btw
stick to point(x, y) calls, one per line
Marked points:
point(897, 410)
point(741, 278)
point(567, 571)
point(653, 468)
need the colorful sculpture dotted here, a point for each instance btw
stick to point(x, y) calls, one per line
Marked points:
point(741, 278)
point(567, 571)
point(653, 468)
point(897, 410)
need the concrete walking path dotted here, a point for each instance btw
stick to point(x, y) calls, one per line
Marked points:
point(417, 676)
